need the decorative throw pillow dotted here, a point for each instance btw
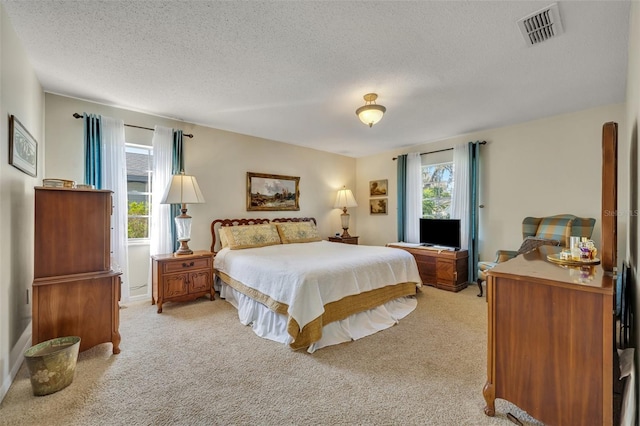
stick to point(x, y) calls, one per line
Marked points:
point(531, 243)
point(298, 232)
point(250, 236)
point(222, 233)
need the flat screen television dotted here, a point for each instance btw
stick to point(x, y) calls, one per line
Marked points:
point(440, 232)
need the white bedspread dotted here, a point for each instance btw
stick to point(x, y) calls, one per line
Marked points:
point(306, 276)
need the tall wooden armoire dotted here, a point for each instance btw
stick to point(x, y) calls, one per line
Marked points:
point(75, 291)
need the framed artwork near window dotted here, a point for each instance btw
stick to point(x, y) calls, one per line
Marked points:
point(378, 188)
point(23, 148)
point(267, 192)
point(378, 206)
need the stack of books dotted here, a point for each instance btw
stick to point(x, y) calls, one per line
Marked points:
point(58, 183)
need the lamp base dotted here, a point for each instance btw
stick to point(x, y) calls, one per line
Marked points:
point(344, 218)
point(184, 248)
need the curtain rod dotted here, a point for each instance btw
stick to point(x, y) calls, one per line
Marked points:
point(76, 115)
point(440, 150)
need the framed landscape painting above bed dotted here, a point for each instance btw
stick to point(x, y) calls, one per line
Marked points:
point(267, 192)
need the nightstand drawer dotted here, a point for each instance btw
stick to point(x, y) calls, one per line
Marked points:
point(179, 265)
point(344, 240)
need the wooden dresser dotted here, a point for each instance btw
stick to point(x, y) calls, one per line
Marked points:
point(551, 340)
point(75, 292)
point(445, 269)
point(180, 278)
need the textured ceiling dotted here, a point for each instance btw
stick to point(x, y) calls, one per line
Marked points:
point(296, 71)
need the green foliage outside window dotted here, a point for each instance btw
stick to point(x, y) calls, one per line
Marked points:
point(138, 226)
point(436, 203)
point(437, 187)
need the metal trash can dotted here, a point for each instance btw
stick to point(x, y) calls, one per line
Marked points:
point(52, 364)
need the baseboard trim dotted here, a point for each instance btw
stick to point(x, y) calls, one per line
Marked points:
point(16, 357)
point(138, 298)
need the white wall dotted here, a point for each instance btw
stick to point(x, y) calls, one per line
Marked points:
point(20, 95)
point(538, 168)
point(219, 160)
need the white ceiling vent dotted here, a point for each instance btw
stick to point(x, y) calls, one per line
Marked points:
point(541, 25)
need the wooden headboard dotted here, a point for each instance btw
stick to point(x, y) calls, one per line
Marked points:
point(216, 224)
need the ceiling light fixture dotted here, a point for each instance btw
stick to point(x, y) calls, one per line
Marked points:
point(370, 113)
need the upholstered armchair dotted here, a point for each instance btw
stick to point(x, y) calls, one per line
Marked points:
point(538, 231)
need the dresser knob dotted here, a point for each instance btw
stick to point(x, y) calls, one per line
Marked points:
point(186, 265)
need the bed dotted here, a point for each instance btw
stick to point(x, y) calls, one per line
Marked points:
point(292, 287)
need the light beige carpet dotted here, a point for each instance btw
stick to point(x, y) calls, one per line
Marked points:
point(195, 364)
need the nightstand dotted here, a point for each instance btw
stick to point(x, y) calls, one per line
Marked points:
point(182, 278)
point(345, 240)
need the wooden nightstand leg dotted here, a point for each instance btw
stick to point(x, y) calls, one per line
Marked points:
point(153, 300)
point(213, 294)
point(159, 306)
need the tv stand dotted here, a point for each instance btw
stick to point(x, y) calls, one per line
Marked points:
point(437, 248)
point(443, 268)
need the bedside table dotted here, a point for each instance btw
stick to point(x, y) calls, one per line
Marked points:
point(181, 278)
point(346, 240)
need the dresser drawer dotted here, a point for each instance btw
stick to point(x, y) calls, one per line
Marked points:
point(186, 265)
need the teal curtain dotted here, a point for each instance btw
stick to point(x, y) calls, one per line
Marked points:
point(402, 197)
point(177, 167)
point(92, 150)
point(474, 165)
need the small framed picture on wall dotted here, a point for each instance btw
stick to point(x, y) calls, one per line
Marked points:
point(378, 188)
point(378, 206)
point(23, 148)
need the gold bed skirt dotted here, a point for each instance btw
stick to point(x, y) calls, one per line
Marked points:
point(334, 311)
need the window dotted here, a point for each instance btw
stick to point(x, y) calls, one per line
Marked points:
point(139, 167)
point(437, 187)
